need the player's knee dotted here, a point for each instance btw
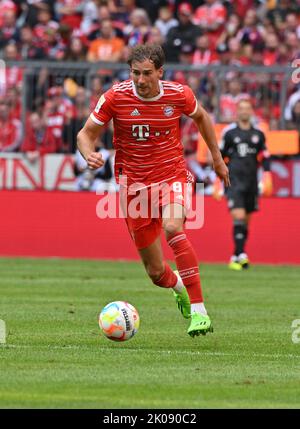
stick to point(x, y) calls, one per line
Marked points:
point(155, 271)
point(171, 228)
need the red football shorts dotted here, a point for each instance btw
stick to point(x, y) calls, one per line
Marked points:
point(144, 208)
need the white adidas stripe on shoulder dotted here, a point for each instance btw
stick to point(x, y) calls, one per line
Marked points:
point(257, 127)
point(125, 83)
point(176, 88)
point(118, 87)
point(228, 128)
point(122, 86)
point(169, 82)
point(225, 130)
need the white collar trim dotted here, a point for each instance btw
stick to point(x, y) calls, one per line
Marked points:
point(157, 97)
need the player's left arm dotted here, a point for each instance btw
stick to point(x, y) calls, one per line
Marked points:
point(206, 129)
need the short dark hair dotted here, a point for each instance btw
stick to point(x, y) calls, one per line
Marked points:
point(153, 53)
point(245, 100)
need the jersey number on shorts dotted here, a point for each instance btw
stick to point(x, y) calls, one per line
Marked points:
point(177, 187)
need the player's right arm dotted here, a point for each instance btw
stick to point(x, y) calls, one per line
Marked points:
point(205, 126)
point(218, 189)
point(89, 134)
point(86, 143)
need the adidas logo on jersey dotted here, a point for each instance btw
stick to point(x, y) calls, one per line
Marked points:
point(135, 112)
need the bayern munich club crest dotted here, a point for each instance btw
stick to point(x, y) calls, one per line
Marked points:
point(255, 139)
point(168, 111)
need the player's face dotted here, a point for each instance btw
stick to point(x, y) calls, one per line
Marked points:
point(146, 78)
point(244, 112)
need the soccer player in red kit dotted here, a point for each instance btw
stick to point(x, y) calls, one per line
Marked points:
point(146, 112)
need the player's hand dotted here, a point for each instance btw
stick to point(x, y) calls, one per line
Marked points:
point(222, 171)
point(266, 184)
point(94, 160)
point(218, 190)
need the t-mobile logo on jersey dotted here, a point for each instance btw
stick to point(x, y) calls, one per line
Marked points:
point(142, 132)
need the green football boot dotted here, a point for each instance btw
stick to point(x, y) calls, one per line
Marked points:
point(200, 324)
point(234, 264)
point(243, 261)
point(182, 299)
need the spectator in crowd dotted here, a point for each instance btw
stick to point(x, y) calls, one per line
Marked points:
point(203, 54)
point(194, 82)
point(257, 54)
point(292, 45)
point(293, 99)
point(225, 56)
point(44, 21)
point(271, 49)
point(76, 50)
point(267, 107)
point(250, 33)
point(278, 15)
point(70, 12)
point(13, 99)
point(108, 47)
point(55, 47)
point(121, 10)
point(75, 122)
point(29, 10)
point(103, 13)
point(30, 48)
point(165, 20)
point(10, 129)
point(231, 28)
point(8, 30)
point(237, 53)
point(230, 100)
point(294, 122)
point(39, 139)
point(152, 7)
point(89, 12)
point(210, 17)
point(6, 5)
point(139, 28)
point(155, 37)
point(13, 74)
point(56, 112)
point(186, 54)
point(184, 34)
point(96, 90)
point(291, 23)
point(11, 52)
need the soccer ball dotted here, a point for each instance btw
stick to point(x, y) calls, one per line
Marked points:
point(119, 321)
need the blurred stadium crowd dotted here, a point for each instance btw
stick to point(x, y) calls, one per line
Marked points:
point(237, 33)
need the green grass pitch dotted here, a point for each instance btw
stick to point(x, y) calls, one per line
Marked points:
point(56, 357)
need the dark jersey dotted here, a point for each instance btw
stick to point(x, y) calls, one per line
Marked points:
point(243, 148)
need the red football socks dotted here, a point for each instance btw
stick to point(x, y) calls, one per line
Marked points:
point(187, 264)
point(168, 279)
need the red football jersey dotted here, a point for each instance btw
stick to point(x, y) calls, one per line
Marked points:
point(146, 130)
